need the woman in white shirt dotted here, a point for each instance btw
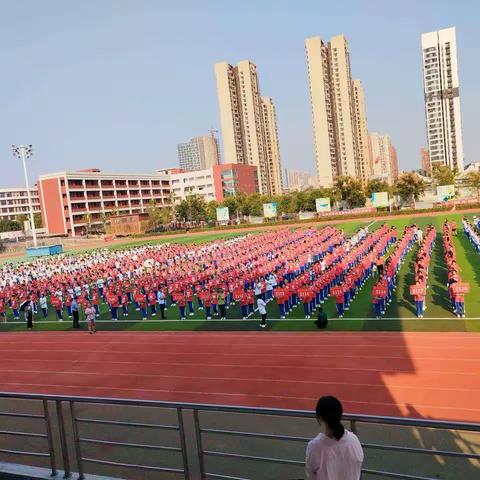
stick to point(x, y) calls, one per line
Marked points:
point(337, 453)
point(262, 310)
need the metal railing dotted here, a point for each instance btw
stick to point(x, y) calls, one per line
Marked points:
point(65, 433)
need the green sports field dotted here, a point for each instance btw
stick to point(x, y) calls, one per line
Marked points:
point(400, 314)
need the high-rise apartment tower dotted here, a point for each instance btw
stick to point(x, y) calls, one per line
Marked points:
point(442, 98)
point(248, 122)
point(338, 112)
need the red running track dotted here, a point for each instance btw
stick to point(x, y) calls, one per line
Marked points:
point(429, 375)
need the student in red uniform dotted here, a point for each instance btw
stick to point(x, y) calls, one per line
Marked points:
point(189, 298)
point(95, 302)
point(141, 301)
point(214, 296)
point(340, 302)
point(124, 300)
point(152, 302)
point(57, 305)
point(207, 302)
point(279, 294)
point(181, 301)
point(112, 300)
point(251, 301)
point(419, 301)
point(243, 299)
point(3, 311)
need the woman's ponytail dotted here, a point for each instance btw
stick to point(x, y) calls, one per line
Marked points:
point(338, 430)
point(330, 410)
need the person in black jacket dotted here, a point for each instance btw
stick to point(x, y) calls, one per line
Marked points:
point(322, 319)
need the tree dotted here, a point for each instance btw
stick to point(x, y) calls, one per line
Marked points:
point(212, 210)
point(155, 216)
point(37, 220)
point(350, 191)
point(409, 186)
point(443, 175)
point(193, 208)
point(232, 203)
point(21, 219)
point(253, 205)
point(377, 185)
point(473, 182)
point(9, 226)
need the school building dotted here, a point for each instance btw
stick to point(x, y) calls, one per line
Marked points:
point(81, 202)
point(74, 202)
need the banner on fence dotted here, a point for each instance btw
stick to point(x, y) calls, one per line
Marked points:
point(353, 211)
point(306, 215)
point(323, 204)
point(270, 210)
point(223, 214)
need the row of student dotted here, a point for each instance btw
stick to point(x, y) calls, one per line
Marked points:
point(456, 288)
point(421, 268)
point(382, 292)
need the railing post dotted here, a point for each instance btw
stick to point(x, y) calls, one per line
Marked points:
point(183, 443)
point(353, 426)
point(51, 449)
point(76, 441)
point(198, 436)
point(63, 439)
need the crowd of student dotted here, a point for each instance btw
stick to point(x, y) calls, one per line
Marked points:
point(216, 274)
point(456, 288)
point(289, 267)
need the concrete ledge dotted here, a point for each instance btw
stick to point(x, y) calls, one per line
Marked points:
point(14, 471)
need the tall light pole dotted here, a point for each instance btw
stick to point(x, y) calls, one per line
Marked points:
point(24, 152)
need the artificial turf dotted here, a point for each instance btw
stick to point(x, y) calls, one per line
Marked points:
point(400, 314)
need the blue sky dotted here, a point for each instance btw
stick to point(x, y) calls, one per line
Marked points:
point(116, 84)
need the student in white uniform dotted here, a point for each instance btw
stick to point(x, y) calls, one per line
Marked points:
point(337, 453)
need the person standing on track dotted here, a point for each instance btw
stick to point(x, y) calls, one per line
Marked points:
point(90, 315)
point(75, 313)
point(337, 453)
point(262, 310)
point(161, 298)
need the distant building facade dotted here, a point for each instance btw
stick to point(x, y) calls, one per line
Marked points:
point(425, 160)
point(384, 155)
point(214, 183)
point(14, 202)
point(297, 180)
point(199, 153)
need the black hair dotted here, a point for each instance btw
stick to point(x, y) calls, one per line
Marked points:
point(330, 410)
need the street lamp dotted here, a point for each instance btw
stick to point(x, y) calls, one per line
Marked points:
point(24, 152)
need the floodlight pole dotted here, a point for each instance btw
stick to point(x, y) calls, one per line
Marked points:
point(24, 151)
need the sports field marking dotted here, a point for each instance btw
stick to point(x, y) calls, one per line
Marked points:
point(236, 379)
point(254, 355)
point(229, 394)
point(236, 366)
